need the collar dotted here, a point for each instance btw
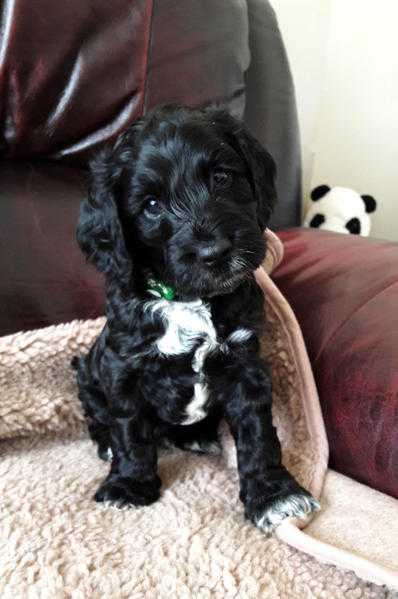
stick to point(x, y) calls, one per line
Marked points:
point(159, 289)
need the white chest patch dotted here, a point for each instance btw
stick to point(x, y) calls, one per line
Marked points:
point(185, 322)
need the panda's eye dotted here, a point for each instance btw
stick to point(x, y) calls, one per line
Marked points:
point(354, 226)
point(317, 220)
point(152, 207)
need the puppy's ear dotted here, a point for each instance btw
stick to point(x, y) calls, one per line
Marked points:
point(263, 174)
point(260, 163)
point(99, 230)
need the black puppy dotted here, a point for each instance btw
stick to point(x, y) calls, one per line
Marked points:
point(175, 219)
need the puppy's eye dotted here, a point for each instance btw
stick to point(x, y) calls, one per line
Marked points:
point(222, 178)
point(152, 208)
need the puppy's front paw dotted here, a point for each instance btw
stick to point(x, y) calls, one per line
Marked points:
point(268, 514)
point(124, 491)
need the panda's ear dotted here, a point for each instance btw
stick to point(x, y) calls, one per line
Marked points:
point(370, 203)
point(318, 192)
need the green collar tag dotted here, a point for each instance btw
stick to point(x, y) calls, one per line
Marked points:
point(159, 289)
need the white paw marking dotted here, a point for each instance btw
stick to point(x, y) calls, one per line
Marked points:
point(293, 506)
point(109, 454)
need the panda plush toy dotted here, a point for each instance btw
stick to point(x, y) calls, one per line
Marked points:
point(340, 209)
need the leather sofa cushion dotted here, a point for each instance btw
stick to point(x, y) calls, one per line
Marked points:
point(74, 74)
point(344, 292)
point(44, 278)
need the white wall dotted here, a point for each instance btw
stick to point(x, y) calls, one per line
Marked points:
point(344, 58)
point(305, 29)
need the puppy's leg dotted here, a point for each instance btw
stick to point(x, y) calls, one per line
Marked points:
point(269, 493)
point(95, 408)
point(133, 475)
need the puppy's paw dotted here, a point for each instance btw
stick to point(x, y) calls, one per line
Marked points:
point(124, 491)
point(272, 513)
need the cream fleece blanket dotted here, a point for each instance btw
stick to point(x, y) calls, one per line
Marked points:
point(55, 542)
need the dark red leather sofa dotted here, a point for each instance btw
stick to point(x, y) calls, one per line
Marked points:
point(73, 75)
point(344, 292)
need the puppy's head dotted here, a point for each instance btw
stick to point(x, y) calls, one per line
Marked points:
point(183, 196)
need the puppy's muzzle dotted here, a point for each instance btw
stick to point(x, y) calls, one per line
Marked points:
point(214, 252)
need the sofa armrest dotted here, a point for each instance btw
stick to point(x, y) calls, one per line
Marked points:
point(344, 292)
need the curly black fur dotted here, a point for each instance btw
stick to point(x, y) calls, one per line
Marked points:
point(183, 196)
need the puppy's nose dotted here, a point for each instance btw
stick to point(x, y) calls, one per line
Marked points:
point(213, 252)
